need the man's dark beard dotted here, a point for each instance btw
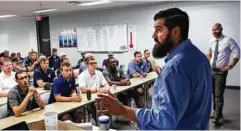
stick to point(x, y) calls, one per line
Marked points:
point(161, 50)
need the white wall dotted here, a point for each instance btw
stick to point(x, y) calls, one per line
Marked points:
point(202, 16)
point(18, 36)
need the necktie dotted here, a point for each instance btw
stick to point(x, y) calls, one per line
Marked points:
point(215, 55)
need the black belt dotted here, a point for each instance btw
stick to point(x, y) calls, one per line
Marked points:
point(216, 70)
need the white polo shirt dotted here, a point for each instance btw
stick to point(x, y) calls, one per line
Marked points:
point(7, 82)
point(96, 81)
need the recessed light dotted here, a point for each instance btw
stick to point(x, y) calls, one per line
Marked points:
point(44, 10)
point(95, 3)
point(6, 16)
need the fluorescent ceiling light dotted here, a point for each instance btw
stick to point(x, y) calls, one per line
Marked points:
point(44, 10)
point(6, 16)
point(95, 3)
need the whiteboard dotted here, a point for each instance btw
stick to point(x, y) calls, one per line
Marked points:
point(103, 38)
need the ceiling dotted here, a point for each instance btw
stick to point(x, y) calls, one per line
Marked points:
point(23, 9)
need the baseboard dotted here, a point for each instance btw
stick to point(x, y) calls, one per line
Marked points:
point(233, 87)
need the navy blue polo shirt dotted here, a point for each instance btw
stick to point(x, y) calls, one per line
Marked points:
point(63, 87)
point(54, 62)
point(39, 74)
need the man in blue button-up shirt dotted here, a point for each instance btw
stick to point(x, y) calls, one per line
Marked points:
point(137, 67)
point(182, 91)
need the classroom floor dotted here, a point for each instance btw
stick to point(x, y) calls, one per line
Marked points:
point(231, 114)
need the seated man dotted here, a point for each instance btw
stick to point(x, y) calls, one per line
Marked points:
point(22, 98)
point(7, 80)
point(6, 54)
point(20, 57)
point(43, 76)
point(75, 74)
point(61, 63)
point(115, 76)
point(83, 65)
point(150, 62)
point(1, 60)
point(105, 63)
point(92, 80)
point(17, 65)
point(138, 68)
point(62, 55)
point(54, 60)
point(32, 62)
point(80, 60)
point(64, 91)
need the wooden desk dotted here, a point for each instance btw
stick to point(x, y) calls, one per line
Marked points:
point(134, 83)
point(3, 100)
point(42, 91)
point(63, 107)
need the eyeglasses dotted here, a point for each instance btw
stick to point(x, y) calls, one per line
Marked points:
point(22, 78)
point(68, 70)
point(93, 63)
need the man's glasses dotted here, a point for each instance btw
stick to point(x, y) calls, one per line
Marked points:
point(93, 63)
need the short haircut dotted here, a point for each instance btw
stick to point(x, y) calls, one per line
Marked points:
point(13, 54)
point(174, 17)
point(63, 59)
point(43, 59)
point(137, 52)
point(89, 59)
point(19, 72)
point(108, 60)
point(145, 51)
point(67, 64)
point(33, 52)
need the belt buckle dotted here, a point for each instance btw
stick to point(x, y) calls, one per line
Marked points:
point(216, 69)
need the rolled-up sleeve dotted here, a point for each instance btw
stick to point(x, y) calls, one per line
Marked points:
point(170, 103)
point(12, 99)
point(234, 48)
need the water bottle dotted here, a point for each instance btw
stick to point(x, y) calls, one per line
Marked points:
point(133, 105)
point(78, 91)
point(123, 67)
